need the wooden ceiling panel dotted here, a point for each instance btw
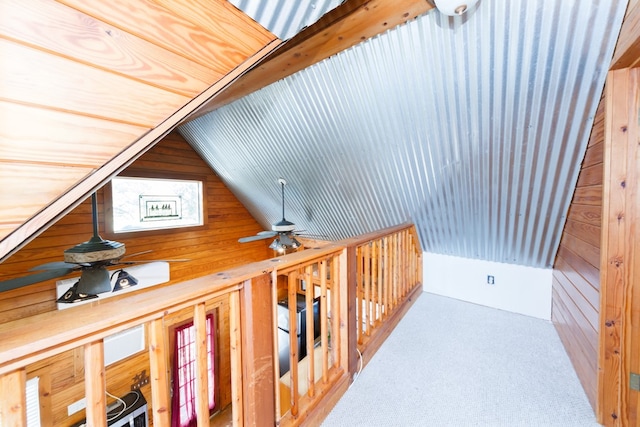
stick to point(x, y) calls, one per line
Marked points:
point(56, 138)
point(217, 48)
point(62, 30)
point(71, 86)
point(230, 27)
point(26, 186)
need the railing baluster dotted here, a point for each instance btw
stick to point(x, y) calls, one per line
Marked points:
point(309, 297)
point(202, 380)
point(360, 301)
point(366, 313)
point(379, 280)
point(337, 316)
point(293, 341)
point(236, 359)
point(13, 406)
point(160, 398)
point(276, 344)
point(324, 340)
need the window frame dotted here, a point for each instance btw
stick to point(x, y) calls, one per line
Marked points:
point(133, 173)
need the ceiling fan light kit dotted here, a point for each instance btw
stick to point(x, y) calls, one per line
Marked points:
point(284, 243)
point(124, 280)
point(283, 230)
point(94, 280)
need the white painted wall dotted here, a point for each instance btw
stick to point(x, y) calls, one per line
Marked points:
point(516, 288)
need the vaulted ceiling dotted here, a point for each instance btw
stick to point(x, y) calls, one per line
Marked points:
point(473, 127)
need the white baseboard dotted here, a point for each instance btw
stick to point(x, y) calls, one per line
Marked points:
point(516, 288)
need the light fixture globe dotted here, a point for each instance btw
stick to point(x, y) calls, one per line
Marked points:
point(284, 243)
point(454, 7)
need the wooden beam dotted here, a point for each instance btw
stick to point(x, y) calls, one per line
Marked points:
point(627, 53)
point(95, 383)
point(349, 24)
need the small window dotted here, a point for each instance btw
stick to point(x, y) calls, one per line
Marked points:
point(184, 373)
point(141, 204)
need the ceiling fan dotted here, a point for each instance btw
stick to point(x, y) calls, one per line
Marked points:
point(92, 258)
point(283, 231)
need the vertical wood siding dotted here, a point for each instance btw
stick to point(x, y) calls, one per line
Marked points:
point(576, 273)
point(211, 249)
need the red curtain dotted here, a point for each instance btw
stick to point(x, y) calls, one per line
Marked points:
point(183, 406)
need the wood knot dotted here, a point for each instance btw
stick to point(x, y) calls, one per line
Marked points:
point(614, 416)
point(608, 324)
point(623, 184)
point(623, 128)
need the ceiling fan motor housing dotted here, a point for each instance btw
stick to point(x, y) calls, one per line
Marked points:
point(283, 225)
point(94, 250)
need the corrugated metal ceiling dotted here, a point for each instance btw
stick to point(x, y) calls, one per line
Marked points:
point(471, 127)
point(285, 18)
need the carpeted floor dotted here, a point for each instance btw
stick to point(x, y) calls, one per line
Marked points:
point(451, 363)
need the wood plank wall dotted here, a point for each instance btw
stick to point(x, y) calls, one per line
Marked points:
point(576, 273)
point(210, 249)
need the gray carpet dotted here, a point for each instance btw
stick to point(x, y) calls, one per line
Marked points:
point(451, 363)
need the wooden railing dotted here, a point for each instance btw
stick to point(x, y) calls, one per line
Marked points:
point(386, 277)
point(315, 364)
point(319, 277)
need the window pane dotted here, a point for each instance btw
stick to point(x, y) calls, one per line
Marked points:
point(152, 203)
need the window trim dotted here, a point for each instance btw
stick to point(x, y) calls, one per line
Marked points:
point(136, 173)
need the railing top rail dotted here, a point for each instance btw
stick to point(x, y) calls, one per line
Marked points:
point(24, 341)
point(366, 238)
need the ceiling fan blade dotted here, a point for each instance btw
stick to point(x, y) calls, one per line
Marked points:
point(136, 254)
point(56, 265)
point(7, 285)
point(268, 233)
point(254, 238)
point(151, 260)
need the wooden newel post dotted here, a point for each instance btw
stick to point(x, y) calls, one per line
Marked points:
point(256, 314)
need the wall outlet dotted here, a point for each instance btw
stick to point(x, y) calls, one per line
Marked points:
point(491, 280)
